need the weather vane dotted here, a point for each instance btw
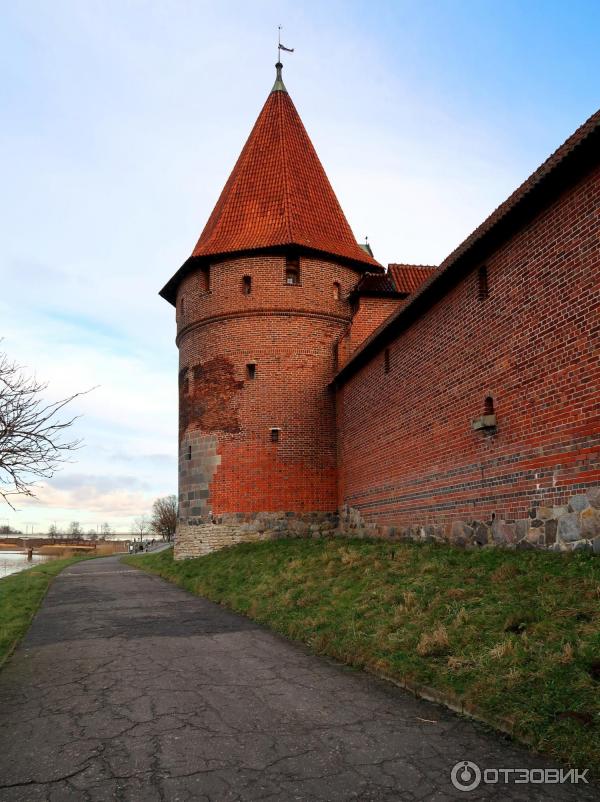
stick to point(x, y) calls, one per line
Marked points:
point(281, 47)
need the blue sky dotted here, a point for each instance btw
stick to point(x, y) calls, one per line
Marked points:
point(120, 122)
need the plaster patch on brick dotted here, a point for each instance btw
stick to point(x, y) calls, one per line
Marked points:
point(208, 397)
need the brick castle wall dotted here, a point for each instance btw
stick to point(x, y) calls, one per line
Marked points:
point(369, 315)
point(408, 455)
point(228, 462)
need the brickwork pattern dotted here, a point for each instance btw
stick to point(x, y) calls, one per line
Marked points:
point(370, 314)
point(407, 452)
point(314, 295)
point(287, 333)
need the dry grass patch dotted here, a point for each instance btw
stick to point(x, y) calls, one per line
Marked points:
point(567, 655)
point(461, 618)
point(331, 568)
point(504, 572)
point(434, 643)
point(455, 663)
point(409, 600)
point(456, 593)
point(502, 650)
point(351, 557)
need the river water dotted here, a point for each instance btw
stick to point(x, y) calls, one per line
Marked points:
point(11, 561)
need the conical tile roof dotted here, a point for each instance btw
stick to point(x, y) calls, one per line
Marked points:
point(278, 193)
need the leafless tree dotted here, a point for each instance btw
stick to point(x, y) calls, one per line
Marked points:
point(32, 432)
point(75, 529)
point(8, 530)
point(141, 526)
point(105, 530)
point(164, 517)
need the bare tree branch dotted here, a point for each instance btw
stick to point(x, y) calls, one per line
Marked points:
point(32, 434)
point(141, 526)
point(164, 517)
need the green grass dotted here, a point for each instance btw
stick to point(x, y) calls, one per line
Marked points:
point(515, 634)
point(20, 597)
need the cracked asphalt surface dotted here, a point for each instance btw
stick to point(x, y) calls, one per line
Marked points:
point(128, 688)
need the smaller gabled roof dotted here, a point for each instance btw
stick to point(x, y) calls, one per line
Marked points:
point(399, 281)
point(408, 278)
point(374, 284)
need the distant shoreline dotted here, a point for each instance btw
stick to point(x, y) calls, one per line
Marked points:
point(64, 539)
point(51, 546)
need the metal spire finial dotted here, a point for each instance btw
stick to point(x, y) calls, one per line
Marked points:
point(279, 86)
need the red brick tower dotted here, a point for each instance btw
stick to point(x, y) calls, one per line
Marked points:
point(260, 304)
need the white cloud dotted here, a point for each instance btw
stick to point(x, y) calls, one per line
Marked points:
point(83, 503)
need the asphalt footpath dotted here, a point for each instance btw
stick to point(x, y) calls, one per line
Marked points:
point(128, 688)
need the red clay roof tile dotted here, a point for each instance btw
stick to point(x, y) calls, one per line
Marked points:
point(278, 194)
point(408, 278)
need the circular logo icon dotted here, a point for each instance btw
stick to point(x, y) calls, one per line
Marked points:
point(465, 775)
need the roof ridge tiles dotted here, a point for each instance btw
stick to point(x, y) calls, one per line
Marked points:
point(410, 264)
point(286, 194)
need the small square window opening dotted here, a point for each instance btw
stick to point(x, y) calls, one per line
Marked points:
point(292, 270)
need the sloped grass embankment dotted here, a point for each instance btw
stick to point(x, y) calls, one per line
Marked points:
point(20, 597)
point(514, 636)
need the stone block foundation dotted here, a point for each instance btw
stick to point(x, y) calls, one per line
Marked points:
point(195, 540)
point(571, 527)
